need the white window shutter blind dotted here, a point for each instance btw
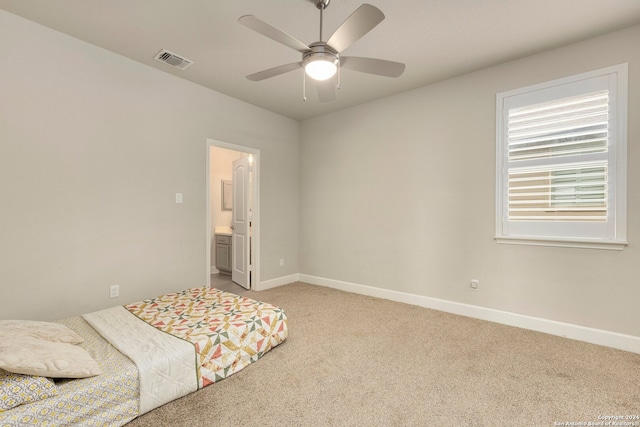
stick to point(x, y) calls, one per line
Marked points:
point(559, 192)
point(577, 125)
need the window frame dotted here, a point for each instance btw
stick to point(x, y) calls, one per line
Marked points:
point(610, 234)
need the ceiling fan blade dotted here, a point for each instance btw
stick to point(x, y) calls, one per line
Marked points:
point(359, 23)
point(379, 67)
point(272, 32)
point(275, 71)
point(326, 90)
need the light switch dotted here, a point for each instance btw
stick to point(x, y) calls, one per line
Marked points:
point(178, 197)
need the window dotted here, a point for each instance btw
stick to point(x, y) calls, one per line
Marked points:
point(561, 162)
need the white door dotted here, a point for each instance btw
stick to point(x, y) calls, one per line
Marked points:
point(241, 244)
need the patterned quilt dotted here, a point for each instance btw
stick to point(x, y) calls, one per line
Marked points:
point(228, 331)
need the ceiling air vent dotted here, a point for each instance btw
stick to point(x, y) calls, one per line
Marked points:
point(173, 59)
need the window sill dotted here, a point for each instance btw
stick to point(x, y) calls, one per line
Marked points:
point(583, 244)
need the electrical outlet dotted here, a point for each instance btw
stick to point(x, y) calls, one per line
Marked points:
point(114, 291)
point(475, 284)
point(178, 197)
point(281, 262)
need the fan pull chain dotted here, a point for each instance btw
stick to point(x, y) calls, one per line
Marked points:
point(339, 81)
point(304, 87)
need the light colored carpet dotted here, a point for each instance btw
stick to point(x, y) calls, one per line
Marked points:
point(353, 360)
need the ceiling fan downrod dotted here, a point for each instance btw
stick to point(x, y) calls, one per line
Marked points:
point(322, 5)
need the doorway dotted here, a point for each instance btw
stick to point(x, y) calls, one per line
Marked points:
point(220, 157)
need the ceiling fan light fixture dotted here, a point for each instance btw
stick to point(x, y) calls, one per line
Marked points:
point(321, 68)
point(320, 62)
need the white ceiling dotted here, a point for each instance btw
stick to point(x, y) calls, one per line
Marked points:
point(436, 39)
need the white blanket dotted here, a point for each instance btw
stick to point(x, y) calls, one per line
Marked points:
point(166, 364)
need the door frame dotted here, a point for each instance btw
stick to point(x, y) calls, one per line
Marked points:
point(255, 213)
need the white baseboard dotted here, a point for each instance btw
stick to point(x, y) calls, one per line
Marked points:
point(278, 281)
point(581, 333)
point(214, 270)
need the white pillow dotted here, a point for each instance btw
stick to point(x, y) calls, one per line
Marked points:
point(49, 331)
point(30, 356)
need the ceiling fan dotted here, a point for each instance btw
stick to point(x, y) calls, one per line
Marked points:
point(321, 60)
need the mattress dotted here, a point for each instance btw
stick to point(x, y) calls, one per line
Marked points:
point(215, 333)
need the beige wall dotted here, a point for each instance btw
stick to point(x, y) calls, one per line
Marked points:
point(93, 148)
point(399, 194)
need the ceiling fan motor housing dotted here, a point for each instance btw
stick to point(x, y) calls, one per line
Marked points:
point(320, 51)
